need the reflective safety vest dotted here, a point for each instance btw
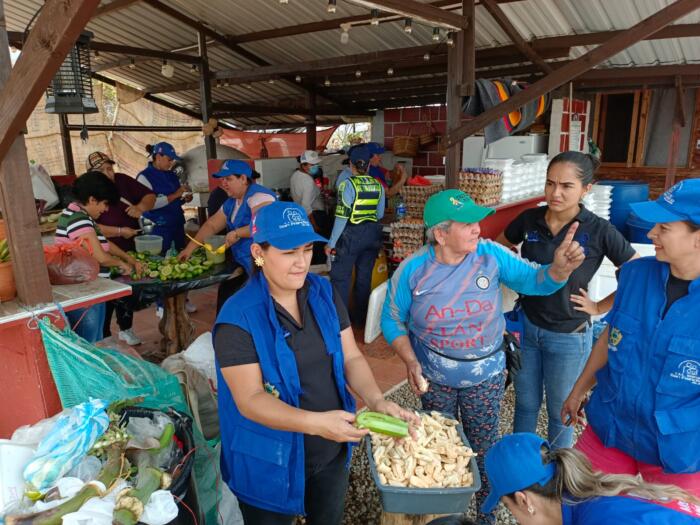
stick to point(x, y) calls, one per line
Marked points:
point(368, 191)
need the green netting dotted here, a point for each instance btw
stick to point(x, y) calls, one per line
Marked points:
point(82, 371)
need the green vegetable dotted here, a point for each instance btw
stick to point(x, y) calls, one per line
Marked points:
point(382, 424)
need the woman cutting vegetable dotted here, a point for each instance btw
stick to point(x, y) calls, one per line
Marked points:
point(442, 315)
point(94, 193)
point(544, 486)
point(245, 198)
point(286, 354)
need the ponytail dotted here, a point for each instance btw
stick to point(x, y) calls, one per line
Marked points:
point(149, 149)
point(576, 480)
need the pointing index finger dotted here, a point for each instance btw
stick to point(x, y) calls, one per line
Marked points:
point(569, 237)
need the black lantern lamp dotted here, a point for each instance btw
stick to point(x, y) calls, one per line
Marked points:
point(70, 90)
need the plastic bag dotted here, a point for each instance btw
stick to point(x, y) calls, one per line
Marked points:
point(42, 185)
point(87, 470)
point(33, 434)
point(73, 434)
point(200, 354)
point(160, 509)
point(70, 263)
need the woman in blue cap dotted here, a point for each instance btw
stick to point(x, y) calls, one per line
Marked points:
point(167, 213)
point(285, 359)
point(245, 198)
point(545, 486)
point(644, 414)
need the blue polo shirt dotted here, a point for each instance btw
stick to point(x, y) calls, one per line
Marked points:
point(622, 510)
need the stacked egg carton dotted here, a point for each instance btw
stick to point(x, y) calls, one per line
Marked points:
point(484, 185)
point(523, 178)
point(407, 236)
point(415, 197)
point(599, 200)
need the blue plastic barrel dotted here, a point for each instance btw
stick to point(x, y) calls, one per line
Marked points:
point(625, 192)
point(637, 229)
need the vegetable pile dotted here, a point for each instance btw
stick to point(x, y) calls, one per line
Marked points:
point(169, 268)
point(437, 459)
point(4, 251)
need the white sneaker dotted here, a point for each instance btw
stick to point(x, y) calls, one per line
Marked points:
point(159, 312)
point(129, 337)
point(190, 307)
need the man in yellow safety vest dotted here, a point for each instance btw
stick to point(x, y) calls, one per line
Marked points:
point(357, 234)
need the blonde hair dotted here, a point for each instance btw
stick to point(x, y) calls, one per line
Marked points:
point(576, 480)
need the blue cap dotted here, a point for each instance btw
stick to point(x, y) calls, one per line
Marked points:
point(165, 148)
point(375, 148)
point(359, 156)
point(234, 167)
point(284, 225)
point(680, 203)
point(513, 464)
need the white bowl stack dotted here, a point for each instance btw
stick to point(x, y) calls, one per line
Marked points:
point(599, 200)
point(521, 178)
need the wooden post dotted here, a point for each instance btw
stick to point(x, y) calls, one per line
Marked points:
point(311, 122)
point(674, 145)
point(205, 93)
point(17, 201)
point(573, 69)
point(461, 63)
point(68, 161)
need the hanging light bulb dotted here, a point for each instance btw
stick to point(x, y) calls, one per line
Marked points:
point(375, 17)
point(450, 39)
point(132, 64)
point(167, 70)
point(193, 68)
point(436, 34)
point(298, 78)
point(390, 71)
point(284, 2)
point(408, 26)
point(345, 35)
point(331, 6)
point(426, 57)
point(358, 73)
point(271, 81)
point(327, 82)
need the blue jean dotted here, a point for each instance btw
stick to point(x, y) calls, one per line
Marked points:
point(551, 362)
point(357, 248)
point(91, 326)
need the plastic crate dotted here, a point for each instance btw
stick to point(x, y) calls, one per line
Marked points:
point(409, 500)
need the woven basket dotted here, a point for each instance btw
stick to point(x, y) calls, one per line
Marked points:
point(406, 145)
point(427, 137)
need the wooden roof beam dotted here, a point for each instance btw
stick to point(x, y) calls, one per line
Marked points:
point(418, 11)
point(575, 68)
point(223, 109)
point(111, 7)
point(502, 20)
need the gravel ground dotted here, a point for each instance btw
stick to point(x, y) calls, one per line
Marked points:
point(362, 502)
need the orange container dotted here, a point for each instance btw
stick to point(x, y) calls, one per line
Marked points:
point(8, 290)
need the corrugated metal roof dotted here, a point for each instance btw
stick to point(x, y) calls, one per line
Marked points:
point(141, 25)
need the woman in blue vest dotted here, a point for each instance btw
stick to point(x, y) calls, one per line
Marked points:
point(167, 213)
point(558, 335)
point(286, 356)
point(644, 414)
point(245, 198)
point(541, 485)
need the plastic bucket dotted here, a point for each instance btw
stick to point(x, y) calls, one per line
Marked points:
point(637, 229)
point(216, 241)
point(625, 192)
point(152, 244)
point(13, 458)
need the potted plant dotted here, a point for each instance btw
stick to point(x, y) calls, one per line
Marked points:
point(8, 290)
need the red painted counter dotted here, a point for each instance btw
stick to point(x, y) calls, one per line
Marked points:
point(494, 224)
point(27, 385)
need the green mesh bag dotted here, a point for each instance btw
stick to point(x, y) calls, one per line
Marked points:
point(82, 371)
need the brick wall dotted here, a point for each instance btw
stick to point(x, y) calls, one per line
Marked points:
point(415, 120)
point(654, 176)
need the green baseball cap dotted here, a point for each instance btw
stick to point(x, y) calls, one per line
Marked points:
point(453, 205)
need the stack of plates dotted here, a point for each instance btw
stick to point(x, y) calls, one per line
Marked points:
point(599, 200)
point(521, 179)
